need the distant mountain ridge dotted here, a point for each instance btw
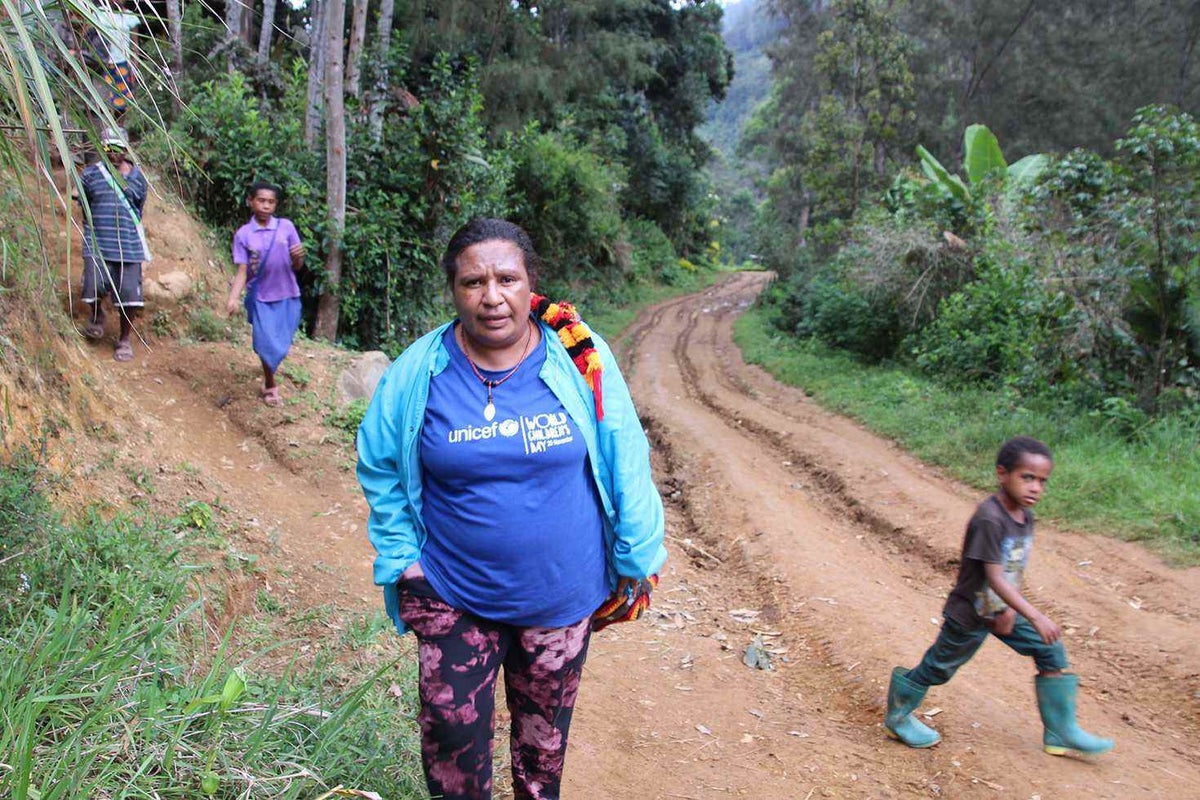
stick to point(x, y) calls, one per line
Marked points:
point(748, 29)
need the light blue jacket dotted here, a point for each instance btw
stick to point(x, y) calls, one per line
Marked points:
point(389, 461)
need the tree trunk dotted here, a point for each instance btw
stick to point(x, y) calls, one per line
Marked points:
point(802, 228)
point(1191, 38)
point(267, 31)
point(233, 30)
point(358, 34)
point(335, 170)
point(175, 36)
point(383, 43)
point(316, 74)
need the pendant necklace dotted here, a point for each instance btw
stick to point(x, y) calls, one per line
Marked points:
point(489, 410)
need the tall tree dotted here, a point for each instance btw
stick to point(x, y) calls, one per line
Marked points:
point(1190, 35)
point(863, 62)
point(335, 169)
point(316, 72)
point(842, 106)
point(266, 32)
point(234, 20)
point(383, 44)
point(175, 34)
point(358, 35)
point(633, 78)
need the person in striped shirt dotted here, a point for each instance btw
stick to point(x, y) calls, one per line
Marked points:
point(114, 241)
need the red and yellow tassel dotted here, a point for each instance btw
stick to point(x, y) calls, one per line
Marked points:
point(576, 336)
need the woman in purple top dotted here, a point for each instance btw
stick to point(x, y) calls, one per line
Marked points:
point(267, 253)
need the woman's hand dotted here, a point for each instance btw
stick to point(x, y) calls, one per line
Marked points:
point(231, 306)
point(296, 251)
point(413, 572)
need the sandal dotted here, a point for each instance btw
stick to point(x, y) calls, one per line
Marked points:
point(271, 397)
point(95, 329)
point(123, 352)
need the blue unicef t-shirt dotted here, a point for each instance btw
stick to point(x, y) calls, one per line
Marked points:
point(514, 520)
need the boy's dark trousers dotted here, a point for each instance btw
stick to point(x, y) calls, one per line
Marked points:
point(955, 645)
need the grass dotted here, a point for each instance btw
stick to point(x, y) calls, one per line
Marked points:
point(347, 418)
point(203, 325)
point(1141, 484)
point(112, 686)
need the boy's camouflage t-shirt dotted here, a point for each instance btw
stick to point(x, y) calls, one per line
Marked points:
point(993, 537)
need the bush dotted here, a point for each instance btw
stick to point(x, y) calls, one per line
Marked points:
point(205, 326)
point(840, 314)
point(406, 195)
point(565, 197)
point(1004, 328)
point(232, 141)
point(652, 254)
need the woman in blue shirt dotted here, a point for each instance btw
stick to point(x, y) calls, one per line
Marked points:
point(509, 498)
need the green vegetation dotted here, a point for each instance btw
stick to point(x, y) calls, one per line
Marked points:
point(576, 121)
point(1116, 471)
point(205, 326)
point(347, 418)
point(1077, 278)
point(969, 298)
point(109, 689)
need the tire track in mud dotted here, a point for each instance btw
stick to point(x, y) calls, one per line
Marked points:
point(833, 490)
point(845, 694)
point(1119, 663)
point(711, 375)
point(826, 488)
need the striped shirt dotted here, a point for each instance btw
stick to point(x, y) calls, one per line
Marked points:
point(112, 229)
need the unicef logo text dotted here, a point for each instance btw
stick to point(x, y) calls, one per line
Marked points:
point(472, 433)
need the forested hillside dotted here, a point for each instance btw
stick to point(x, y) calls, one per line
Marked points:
point(576, 120)
point(994, 193)
point(738, 177)
point(748, 28)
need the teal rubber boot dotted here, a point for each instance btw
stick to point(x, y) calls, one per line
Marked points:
point(1056, 702)
point(903, 698)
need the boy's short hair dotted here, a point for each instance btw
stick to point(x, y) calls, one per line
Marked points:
point(1009, 455)
point(260, 185)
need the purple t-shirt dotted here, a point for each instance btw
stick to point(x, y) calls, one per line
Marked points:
point(274, 278)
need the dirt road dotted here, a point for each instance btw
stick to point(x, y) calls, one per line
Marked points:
point(792, 530)
point(836, 549)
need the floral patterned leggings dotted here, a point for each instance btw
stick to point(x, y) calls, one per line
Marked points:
point(460, 657)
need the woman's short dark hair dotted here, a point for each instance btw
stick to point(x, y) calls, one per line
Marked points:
point(1011, 451)
point(486, 229)
point(260, 185)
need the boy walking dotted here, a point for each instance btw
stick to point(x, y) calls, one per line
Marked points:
point(986, 599)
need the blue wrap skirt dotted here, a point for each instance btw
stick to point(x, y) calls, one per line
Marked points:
point(273, 327)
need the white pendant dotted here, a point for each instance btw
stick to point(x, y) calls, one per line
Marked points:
point(489, 411)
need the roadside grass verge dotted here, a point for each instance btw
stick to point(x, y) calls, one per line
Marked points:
point(113, 685)
point(1136, 482)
